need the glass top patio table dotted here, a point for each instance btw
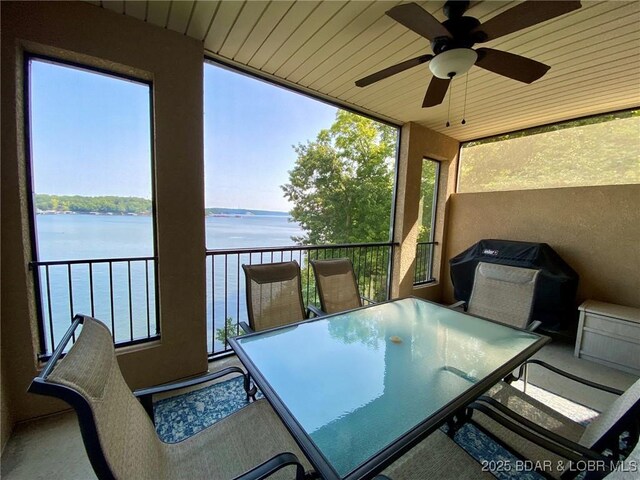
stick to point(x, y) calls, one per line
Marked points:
point(358, 388)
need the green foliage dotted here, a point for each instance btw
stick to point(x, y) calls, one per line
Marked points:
point(341, 185)
point(230, 329)
point(602, 150)
point(80, 204)
point(427, 191)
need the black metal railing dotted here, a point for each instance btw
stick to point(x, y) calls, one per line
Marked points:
point(424, 263)
point(119, 291)
point(226, 297)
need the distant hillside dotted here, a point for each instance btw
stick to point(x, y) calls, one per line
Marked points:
point(242, 211)
point(105, 204)
point(123, 206)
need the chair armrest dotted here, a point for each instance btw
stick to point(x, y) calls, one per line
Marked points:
point(533, 326)
point(459, 373)
point(533, 432)
point(459, 304)
point(272, 465)
point(144, 395)
point(245, 326)
point(315, 310)
point(570, 376)
point(369, 302)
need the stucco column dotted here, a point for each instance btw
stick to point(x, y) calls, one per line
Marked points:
point(416, 144)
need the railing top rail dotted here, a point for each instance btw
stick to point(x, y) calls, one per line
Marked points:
point(426, 243)
point(292, 248)
point(90, 260)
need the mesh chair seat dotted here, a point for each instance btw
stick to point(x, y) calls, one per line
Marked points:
point(554, 422)
point(503, 293)
point(437, 457)
point(337, 285)
point(121, 439)
point(274, 294)
point(229, 447)
point(537, 412)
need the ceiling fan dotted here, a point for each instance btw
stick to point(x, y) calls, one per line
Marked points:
point(451, 42)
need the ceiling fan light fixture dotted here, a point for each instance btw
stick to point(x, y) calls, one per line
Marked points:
point(453, 62)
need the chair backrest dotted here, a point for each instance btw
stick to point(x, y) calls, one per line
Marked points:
point(503, 293)
point(621, 413)
point(274, 294)
point(337, 285)
point(118, 434)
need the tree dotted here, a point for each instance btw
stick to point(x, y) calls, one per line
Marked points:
point(341, 185)
point(427, 191)
point(230, 329)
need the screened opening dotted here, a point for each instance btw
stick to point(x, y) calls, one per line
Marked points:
point(93, 233)
point(602, 150)
point(427, 216)
point(288, 177)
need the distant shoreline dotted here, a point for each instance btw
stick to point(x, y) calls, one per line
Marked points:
point(123, 206)
point(147, 214)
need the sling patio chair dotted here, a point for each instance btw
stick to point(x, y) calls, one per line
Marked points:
point(337, 285)
point(537, 432)
point(274, 296)
point(120, 437)
point(438, 457)
point(504, 294)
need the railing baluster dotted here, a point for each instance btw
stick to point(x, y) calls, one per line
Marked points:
point(423, 272)
point(93, 312)
point(146, 278)
point(238, 297)
point(46, 273)
point(377, 269)
point(135, 292)
point(113, 312)
point(130, 301)
point(309, 267)
point(226, 302)
point(71, 298)
point(213, 306)
point(364, 265)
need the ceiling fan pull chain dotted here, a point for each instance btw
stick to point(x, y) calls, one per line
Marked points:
point(464, 107)
point(450, 95)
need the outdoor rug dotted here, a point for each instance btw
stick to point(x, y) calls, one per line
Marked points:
point(184, 415)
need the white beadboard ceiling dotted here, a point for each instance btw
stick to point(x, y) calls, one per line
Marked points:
point(324, 46)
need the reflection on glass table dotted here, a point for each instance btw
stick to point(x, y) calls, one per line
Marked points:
point(358, 387)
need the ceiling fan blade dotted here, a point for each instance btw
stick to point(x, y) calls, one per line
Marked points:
point(524, 15)
point(392, 70)
point(416, 18)
point(510, 65)
point(436, 92)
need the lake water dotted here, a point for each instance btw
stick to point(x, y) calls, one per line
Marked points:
point(103, 290)
point(81, 237)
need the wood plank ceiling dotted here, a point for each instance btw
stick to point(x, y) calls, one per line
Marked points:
point(324, 46)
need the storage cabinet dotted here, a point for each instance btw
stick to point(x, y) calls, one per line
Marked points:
point(609, 334)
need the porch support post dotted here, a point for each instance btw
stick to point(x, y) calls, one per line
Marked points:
point(417, 143)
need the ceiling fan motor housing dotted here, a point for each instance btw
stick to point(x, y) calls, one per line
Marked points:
point(453, 62)
point(461, 29)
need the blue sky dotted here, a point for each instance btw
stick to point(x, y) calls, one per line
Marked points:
point(90, 135)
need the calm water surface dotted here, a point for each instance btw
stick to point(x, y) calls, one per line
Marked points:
point(81, 237)
point(131, 314)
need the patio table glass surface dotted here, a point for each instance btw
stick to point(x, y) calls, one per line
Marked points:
point(356, 382)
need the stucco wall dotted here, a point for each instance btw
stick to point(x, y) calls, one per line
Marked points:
point(90, 35)
point(417, 143)
point(595, 229)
